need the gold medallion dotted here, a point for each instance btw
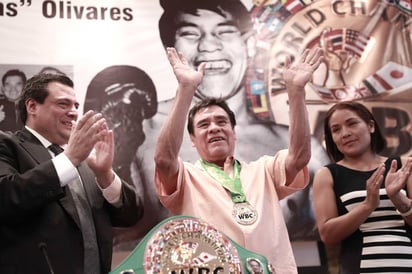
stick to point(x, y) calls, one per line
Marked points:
point(244, 213)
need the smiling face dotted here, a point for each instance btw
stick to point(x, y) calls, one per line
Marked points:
point(215, 40)
point(13, 85)
point(55, 117)
point(255, 266)
point(214, 137)
point(350, 133)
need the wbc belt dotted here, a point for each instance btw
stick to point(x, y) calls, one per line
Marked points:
point(183, 245)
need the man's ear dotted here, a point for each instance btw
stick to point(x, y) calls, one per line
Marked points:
point(192, 138)
point(31, 105)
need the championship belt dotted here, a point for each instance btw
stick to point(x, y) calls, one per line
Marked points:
point(184, 244)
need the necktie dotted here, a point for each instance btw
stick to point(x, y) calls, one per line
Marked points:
point(91, 253)
point(56, 149)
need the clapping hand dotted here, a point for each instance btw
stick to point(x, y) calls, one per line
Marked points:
point(92, 140)
point(396, 180)
point(85, 134)
point(373, 185)
point(100, 159)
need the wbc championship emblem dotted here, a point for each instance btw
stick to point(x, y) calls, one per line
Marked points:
point(367, 57)
point(189, 245)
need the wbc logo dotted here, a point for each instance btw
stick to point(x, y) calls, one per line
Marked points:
point(367, 49)
point(190, 245)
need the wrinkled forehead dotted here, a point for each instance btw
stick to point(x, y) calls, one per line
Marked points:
point(210, 112)
point(204, 15)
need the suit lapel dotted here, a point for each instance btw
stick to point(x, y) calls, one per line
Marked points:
point(89, 184)
point(67, 203)
point(33, 146)
point(41, 154)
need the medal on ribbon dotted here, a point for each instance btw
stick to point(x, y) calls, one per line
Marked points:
point(243, 212)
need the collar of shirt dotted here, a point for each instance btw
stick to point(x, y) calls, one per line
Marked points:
point(46, 143)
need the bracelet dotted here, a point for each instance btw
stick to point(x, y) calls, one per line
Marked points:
point(407, 213)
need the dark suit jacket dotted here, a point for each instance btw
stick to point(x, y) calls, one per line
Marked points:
point(36, 211)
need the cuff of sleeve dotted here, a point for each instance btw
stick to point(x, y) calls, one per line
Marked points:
point(113, 192)
point(65, 169)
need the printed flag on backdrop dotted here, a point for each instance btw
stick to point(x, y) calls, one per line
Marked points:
point(355, 42)
point(390, 76)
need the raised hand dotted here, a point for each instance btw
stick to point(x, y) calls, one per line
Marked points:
point(300, 73)
point(185, 75)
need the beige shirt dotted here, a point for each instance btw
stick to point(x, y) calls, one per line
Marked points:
point(263, 182)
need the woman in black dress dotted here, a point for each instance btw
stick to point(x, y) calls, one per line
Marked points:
point(362, 201)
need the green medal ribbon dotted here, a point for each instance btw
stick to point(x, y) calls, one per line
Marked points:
point(234, 185)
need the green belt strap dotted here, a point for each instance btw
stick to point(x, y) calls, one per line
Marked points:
point(183, 245)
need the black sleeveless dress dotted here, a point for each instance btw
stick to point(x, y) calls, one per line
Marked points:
point(382, 244)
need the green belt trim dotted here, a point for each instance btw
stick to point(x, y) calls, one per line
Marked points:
point(134, 262)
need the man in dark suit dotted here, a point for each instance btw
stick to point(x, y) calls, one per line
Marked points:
point(46, 198)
